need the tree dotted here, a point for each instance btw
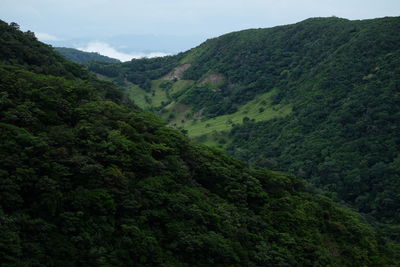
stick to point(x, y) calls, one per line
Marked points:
point(14, 25)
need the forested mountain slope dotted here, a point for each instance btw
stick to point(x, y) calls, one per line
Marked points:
point(79, 56)
point(319, 98)
point(86, 179)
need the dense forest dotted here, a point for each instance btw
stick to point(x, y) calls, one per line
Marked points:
point(319, 99)
point(139, 71)
point(88, 179)
point(79, 56)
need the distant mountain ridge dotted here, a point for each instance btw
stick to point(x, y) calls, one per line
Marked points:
point(79, 56)
point(319, 99)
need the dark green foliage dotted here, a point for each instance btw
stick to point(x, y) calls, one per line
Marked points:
point(86, 180)
point(137, 71)
point(344, 129)
point(342, 79)
point(22, 49)
point(78, 56)
point(257, 61)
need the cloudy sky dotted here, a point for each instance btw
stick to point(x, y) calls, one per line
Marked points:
point(130, 28)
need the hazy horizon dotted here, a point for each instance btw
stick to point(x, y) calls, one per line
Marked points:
point(129, 29)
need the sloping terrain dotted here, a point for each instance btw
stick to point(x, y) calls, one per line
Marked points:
point(79, 56)
point(319, 99)
point(86, 179)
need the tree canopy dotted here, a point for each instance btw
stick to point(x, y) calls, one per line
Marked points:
point(88, 179)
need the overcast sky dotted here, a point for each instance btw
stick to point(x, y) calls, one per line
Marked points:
point(132, 28)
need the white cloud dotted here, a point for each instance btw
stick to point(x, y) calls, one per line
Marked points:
point(107, 50)
point(44, 37)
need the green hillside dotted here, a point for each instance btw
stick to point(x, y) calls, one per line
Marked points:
point(87, 179)
point(318, 99)
point(79, 56)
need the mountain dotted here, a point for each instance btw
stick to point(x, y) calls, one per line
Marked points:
point(319, 99)
point(88, 179)
point(79, 56)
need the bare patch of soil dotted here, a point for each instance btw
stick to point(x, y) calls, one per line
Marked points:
point(177, 73)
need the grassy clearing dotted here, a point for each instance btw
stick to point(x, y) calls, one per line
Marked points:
point(259, 109)
point(138, 95)
point(181, 85)
point(157, 96)
point(177, 114)
point(180, 115)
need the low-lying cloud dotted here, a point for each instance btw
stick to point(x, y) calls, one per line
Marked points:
point(45, 37)
point(107, 50)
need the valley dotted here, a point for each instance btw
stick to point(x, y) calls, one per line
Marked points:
point(318, 99)
point(102, 163)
